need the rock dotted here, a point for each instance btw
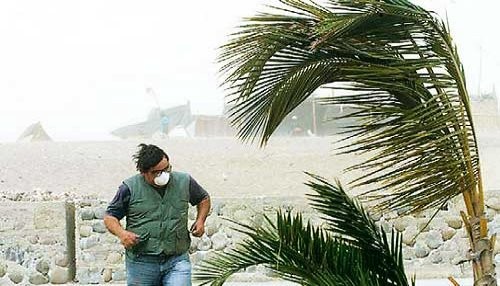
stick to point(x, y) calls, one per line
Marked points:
point(434, 239)
point(454, 222)
point(58, 275)
point(99, 212)
point(16, 273)
point(89, 275)
point(409, 234)
point(85, 231)
point(194, 244)
point(42, 266)
point(107, 275)
point(99, 227)
point(37, 278)
point(111, 239)
point(87, 257)
point(421, 250)
point(205, 243)
point(87, 214)
point(435, 257)
point(62, 260)
point(89, 242)
point(447, 233)
point(192, 214)
point(219, 240)
point(212, 224)
point(400, 224)
point(48, 240)
point(114, 258)
point(196, 257)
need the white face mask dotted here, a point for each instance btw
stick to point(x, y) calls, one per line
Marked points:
point(162, 179)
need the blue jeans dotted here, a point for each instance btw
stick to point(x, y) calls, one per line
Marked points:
point(145, 270)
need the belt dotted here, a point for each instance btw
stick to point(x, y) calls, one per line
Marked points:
point(152, 258)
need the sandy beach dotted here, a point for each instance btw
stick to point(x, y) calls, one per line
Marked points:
point(226, 167)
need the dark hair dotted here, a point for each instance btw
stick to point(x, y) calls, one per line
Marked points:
point(148, 156)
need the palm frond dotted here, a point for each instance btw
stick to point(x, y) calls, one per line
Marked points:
point(344, 254)
point(412, 107)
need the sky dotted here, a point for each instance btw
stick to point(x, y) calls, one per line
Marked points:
point(82, 68)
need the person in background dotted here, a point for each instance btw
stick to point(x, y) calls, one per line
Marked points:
point(155, 204)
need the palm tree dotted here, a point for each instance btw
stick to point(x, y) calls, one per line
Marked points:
point(350, 251)
point(408, 87)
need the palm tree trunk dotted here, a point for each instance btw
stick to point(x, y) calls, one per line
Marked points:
point(482, 247)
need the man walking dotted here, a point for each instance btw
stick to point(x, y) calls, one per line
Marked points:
point(155, 204)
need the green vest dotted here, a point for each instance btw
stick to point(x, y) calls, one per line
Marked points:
point(160, 222)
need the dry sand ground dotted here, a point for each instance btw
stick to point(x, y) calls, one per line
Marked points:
point(226, 167)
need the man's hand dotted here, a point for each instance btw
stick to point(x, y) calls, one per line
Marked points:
point(198, 228)
point(128, 239)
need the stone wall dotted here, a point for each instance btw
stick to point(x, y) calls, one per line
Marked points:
point(100, 256)
point(36, 238)
point(34, 244)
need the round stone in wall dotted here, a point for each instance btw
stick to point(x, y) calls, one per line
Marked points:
point(16, 273)
point(434, 239)
point(85, 230)
point(107, 275)
point(37, 278)
point(58, 275)
point(87, 214)
point(219, 240)
point(205, 243)
point(99, 212)
point(454, 222)
point(400, 224)
point(99, 227)
point(62, 260)
point(448, 233)
point(42, 266)
point(194, 244)
point(421, 250)
point(113, 258)
point(435, 257)
point(88, 242)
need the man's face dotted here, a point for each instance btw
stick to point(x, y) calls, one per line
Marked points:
point(152, 173)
